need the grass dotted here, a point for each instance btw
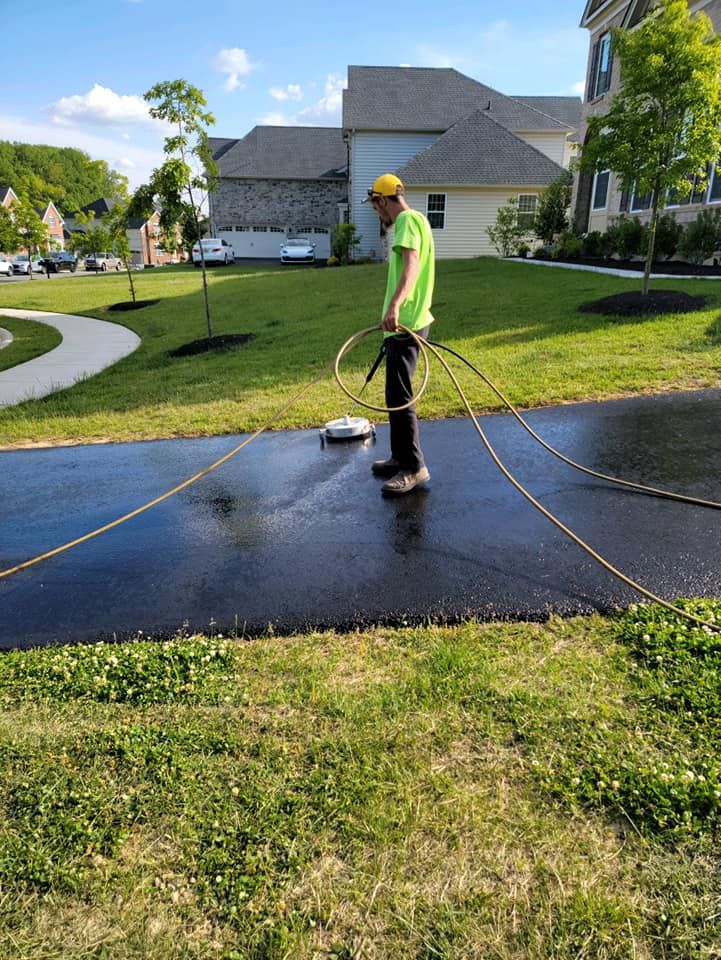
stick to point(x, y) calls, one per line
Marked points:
point(518, 322)
point(30, 340)
point(515, 791)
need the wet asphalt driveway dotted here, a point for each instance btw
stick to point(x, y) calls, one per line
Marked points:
point(296, 536)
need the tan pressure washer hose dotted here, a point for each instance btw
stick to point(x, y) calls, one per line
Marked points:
point(423, 347)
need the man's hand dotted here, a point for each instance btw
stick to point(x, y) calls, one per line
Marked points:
point(390, 321)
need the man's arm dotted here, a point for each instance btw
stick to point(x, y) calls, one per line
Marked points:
point(406, 282)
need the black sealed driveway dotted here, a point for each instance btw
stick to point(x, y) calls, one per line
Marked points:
point(296, 536)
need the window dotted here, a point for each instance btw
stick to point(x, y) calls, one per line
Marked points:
point(260, 229)
point(696, 194)
point(640, 201)
point(527, 210)
point(600, 190)
point(303, 231)
point(714, 190)
point(436, 210)
point(637, 12)
point(276, 229)
point(226, 229)
point(601, 67)
point(51, 221)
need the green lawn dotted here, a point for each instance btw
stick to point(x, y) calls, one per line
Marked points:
point(516, 792)
point(518, 322)
point(30, 339)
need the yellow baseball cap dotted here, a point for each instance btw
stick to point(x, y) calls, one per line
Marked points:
point(387, 185)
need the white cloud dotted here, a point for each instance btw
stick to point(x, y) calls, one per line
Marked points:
point(100, 106)
point(579, 88)
point(291, 92)
point(328, 108)
point(279, 120)
point(126, 163)
point(429, 56)
point(234, 62)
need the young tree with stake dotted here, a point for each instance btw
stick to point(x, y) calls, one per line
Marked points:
point(663, 127)
point(183, 182)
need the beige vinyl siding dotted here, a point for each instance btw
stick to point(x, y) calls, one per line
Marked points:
point(552, 144)
point(371, 155)
point(469, 211)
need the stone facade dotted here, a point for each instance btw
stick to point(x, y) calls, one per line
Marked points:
point(607, 16)
point(288, 204)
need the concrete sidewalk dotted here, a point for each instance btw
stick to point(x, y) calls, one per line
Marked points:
point(88, 346)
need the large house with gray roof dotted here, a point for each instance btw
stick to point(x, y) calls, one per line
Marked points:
point(279, 182)
point(461, 148)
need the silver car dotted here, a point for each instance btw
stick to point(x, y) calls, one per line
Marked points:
point(22, 263)
point(102, 261)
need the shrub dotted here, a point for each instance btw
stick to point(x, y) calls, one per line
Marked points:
point(523, 250)
point(593, 244)
point(552, 215)
point(702, 237)
point(343, 239)
point(332, 261)
point(625, 237)
point(668, 236)
point(506, 233)
point(569, 247)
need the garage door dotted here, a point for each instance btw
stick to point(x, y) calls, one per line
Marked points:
point(254, 241)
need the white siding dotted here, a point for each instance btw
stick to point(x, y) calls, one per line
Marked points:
point(469, 211)
point(371, 155)
point(552, 144)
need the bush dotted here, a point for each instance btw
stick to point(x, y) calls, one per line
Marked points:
point(668, 236)
point(506, 233)
point(523, 250)
point(552, 215)
point(569, 247)
point(593, 244)
point(332, 262)
point(343, 239)
point(625, 237)
point(702, 237)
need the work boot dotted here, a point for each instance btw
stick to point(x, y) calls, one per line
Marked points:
point(385, 468)
point(405, 480)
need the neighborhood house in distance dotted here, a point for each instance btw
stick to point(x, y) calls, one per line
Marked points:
point(143, 234)
point(461, 148)
point(598, 198)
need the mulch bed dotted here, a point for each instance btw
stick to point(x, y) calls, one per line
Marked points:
point(224, 341)
point(675, 267)
point(635, 304)
point(131, 305)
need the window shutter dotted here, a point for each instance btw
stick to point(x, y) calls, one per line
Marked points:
point(591, 92)
point(609, 71)
point(625, 197)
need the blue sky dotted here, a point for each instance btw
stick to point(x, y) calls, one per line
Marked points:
point(256, 63)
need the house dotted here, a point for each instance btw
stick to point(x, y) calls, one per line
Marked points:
point(8, 197)
point(144, 238)
point(461, 148)
point(279, 182)
point(54, 222)
point(598, 197)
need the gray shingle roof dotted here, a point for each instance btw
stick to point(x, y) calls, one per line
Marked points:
point(287, 153)
point(565, 109)
point(478, 151)
point(221, 145)
point(429, 98)
point(98, 207)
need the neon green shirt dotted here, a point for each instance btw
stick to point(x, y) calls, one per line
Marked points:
point(413, 232)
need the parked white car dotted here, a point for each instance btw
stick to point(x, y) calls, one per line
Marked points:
point(214, 251)
point(297, 250)
point(102, 261)
point(22, 263)
point(6, 266)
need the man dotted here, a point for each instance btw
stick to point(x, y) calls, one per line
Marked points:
point(409, 291)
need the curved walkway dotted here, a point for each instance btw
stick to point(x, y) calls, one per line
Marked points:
point(6, 338)
point(88, 346)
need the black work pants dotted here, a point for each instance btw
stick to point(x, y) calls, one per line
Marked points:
point(401, 359)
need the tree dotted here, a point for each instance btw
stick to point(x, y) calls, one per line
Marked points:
point(506, 233)
point(9, 241)
point(663, 127)
point(183, 182)
point(117, 223)
point(552, 214)
point(92, 237)
point(31, 231)
point(343, 239)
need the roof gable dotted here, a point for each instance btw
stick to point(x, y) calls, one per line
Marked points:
point(429, 98)
point(567, 110)
point(7, 193)
point(98, 207)
point(478, 151)
point(286, 153)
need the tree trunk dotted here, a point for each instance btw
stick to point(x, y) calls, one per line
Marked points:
point(130, 280)
point(651, 242)
point(196, 218)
